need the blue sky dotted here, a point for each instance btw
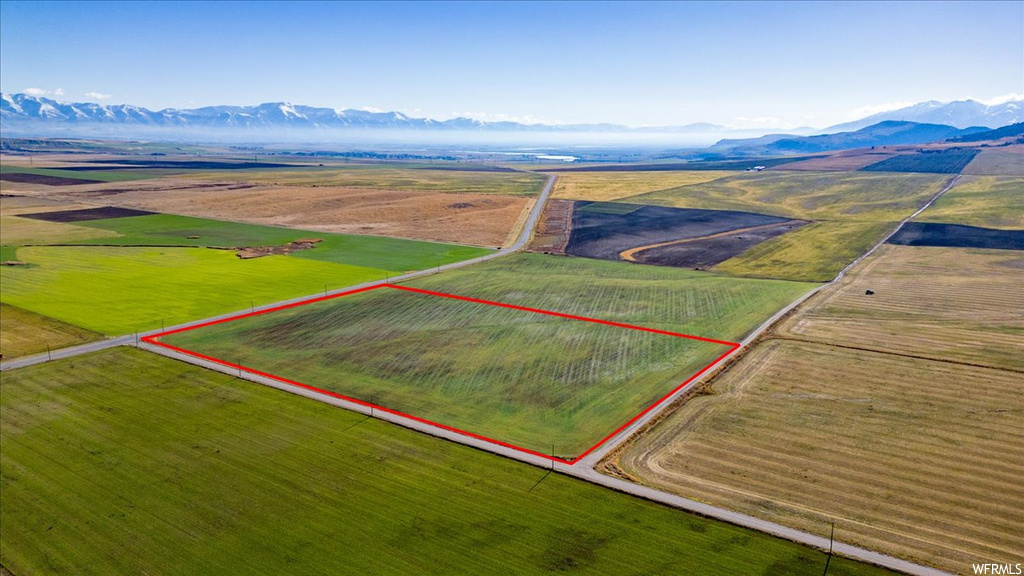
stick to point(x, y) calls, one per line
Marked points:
point(741, 64)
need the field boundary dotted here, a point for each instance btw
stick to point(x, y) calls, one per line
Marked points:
point(154, 339)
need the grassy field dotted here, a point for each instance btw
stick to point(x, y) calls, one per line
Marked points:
point(814, 253)
point(389, 177)
point(392, 254)
point(118, 290)
point(856, 196)
point(986, 201)
point(23, 333)
point(608, 186)
point(895, 415)
point(124, 462)
point(568, 384)
point(112, 175)
point(16, 231)
point(853, 211)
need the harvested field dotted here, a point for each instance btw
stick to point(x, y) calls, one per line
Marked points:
point(23, 333)
point(856, 196)
point(389, 177)
point(841, 161)
point(247, 479)
point(23, 177)
point(986, 201)
point(940, 303)
point(14, 205)
point(477, 219)
point(1001, 161)
point(609, 186)
point(956, 236)
point(941, 161)
point(896, 415)
point(569, 384)
point(609, 230)
point(705, 252)
point(86, 214)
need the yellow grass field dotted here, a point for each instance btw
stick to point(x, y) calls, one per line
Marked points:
point(610, 186)
point(23, 333)
point(895, 415)
point(986, 201)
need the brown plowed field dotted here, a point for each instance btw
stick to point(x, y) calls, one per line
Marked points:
point(554, 228)
point(477, 219)
point(896, 415)
point(840, 162)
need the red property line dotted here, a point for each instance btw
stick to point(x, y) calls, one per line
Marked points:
point(155, 340)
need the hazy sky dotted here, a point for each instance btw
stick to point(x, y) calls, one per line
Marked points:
point(742, 64)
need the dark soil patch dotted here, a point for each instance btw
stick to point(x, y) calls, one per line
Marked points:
point(25, 178)
point(704, 253)
point(86, 214)
point(176, 165)
point(459, 205)
point(948, 161)
point(604, 230)
point(956, 236)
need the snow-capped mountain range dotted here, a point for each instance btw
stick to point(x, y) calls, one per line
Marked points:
point(22, 114)
point(959, 114)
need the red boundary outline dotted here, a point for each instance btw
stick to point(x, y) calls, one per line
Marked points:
point(155, 340)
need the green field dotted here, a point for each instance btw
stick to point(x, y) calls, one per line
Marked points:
point(23, 333)
point(391, 254)
point(127, 274)
point(567, 384)
point(389, 177)
point(123, 462)
point(814, 253)
point(112, 175)
point(119, 290)
point(985, 201)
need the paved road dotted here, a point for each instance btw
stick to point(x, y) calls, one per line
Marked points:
point(583, 469)
point(521, 242)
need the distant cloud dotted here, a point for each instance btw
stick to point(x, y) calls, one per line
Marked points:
point(372, 109)
point(744, 122)
point(502, 117)
point(43, 92)
point(865, 111)
point(98, 96)
point(1001, 99)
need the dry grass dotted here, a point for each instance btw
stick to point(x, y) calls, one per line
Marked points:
point(942, 303)
point(840, 162)
point(1004, 161)
point(986, 201)
point(23, 333)
point(477, 219)
point(609, 186)
point(836, 418)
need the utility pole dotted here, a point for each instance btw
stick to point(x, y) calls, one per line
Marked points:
point(48, 357)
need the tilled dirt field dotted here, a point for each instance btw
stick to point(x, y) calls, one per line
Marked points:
point(612, 231)
point(86, 214)
point(20, 177)
point(476, 219)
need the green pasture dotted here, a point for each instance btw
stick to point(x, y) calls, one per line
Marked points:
point(537, 381)
point(392, 254)
point(123, 462)
point(117, 290)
